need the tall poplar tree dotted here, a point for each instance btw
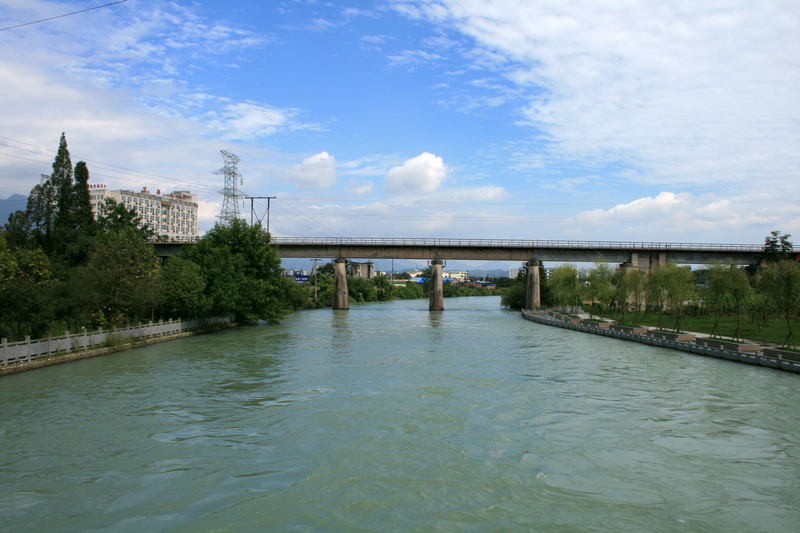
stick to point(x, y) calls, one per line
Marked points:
point(61, 179)
point(82, 215)
point(41, 211)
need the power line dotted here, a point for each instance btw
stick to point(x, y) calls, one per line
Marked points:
point(205, 188)
point(62, 16)
point(489, 202)
point(314, 222)
point(112, 168)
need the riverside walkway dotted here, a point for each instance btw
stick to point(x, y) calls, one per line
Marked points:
point(752, 354)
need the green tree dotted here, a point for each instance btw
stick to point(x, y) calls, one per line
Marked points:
point(680, 287)
point(327, 268)
point(361, 290)
point(123, 270)
point(83, 216)
point(621, 291)
point(636, 285)
point(40, 212)
point(780, 283)
point(75, 299)
point(514, 296)
point(716, 294)
point(223, 272)
point(599, 286)
point(565, 286)
point(242, 271)
point(183, 285)
point(777, 247)
point(61, 179)
point(114, 217)
point(656, 292)
point(18, 230)
point(383, 287)
point(741, 291)
point(26, 298)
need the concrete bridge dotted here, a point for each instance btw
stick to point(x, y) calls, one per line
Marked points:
point(640, 255)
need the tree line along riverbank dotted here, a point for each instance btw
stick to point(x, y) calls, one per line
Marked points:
point(62, 269)
point(757, 302)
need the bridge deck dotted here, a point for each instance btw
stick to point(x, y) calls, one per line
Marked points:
point(513, 250)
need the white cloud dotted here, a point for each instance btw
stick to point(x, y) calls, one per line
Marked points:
point(245, 120)
point(315, 172)
point(685, 217)
point(696, 93)
point(361, 187)
point(489, 192)
point(413, 58)
point(421, 174)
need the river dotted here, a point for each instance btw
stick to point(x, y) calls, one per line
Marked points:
point(389, 418)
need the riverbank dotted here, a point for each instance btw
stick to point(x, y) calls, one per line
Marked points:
point(76, 355)
point(692, 343)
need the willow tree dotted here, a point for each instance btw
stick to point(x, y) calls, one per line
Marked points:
point(680, 287)
point(599, 286)
point(636, 282)
point(565, 286)
point(656, 292)
point(716, 294)
point(780, 283)
point(740, 292)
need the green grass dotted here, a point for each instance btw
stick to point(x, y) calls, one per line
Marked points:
point(774, 331)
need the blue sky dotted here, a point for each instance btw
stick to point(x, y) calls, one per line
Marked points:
point(582, 120)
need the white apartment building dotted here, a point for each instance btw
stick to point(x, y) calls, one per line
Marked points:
point(172, 216)
point(460, 275)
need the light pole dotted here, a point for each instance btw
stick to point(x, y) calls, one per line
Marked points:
point(315, 279)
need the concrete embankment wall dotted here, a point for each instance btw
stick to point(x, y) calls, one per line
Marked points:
point(84, 350)
point(752, 358)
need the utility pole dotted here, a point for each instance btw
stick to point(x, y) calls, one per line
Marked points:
point(252, 210)
point(315, 279)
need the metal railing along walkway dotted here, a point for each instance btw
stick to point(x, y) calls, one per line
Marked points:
point(514, 243)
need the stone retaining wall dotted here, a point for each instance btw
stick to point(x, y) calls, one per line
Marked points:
point(769, 357)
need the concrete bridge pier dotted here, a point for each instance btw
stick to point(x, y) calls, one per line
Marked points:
point(437, 287)
point(533, 297)
point(340, 300)
point(646, 262)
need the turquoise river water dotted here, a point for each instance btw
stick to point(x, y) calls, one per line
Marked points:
point(389, 418)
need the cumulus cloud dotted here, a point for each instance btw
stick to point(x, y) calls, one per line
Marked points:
point(315, 172)
point(421, 174)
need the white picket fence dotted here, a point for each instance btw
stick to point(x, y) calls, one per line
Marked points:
point(28, 350)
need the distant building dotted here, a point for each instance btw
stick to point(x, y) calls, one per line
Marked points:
point(172, 217)
point(299, 276)
point(362, 270)
point(513, 272)
point(461, 276)
point(484, 284)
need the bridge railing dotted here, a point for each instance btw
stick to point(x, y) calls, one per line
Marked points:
point(514, 243)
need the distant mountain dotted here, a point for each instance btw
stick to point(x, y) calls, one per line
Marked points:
point(15, 202)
